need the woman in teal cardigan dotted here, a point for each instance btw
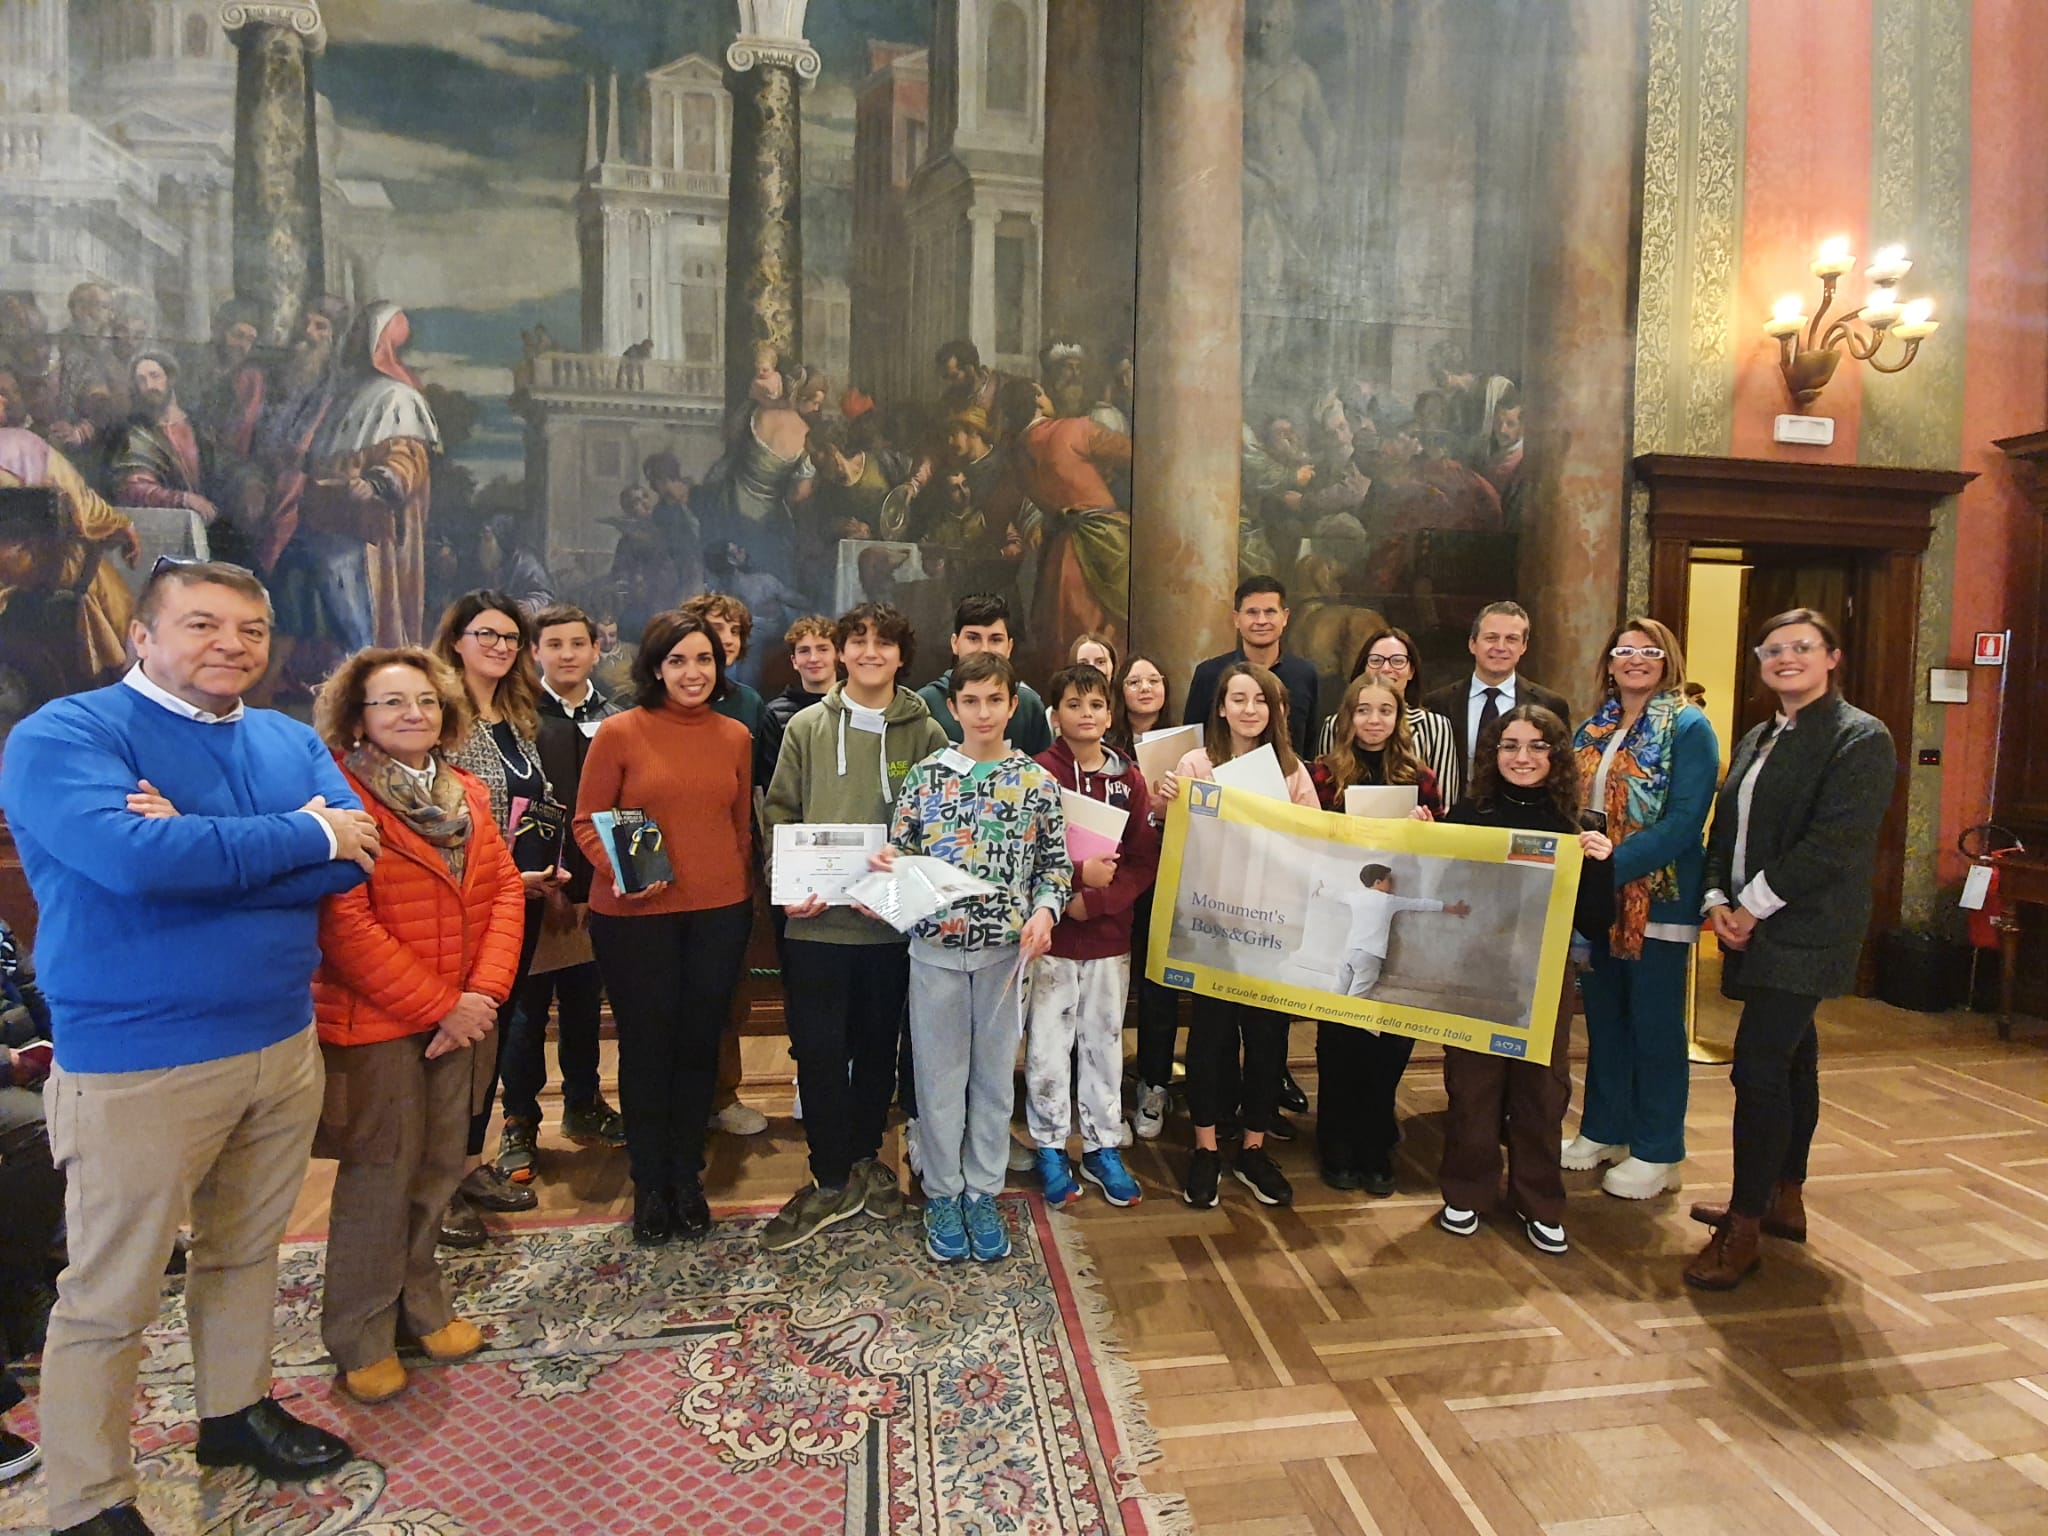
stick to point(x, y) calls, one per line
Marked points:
point(1649, 760)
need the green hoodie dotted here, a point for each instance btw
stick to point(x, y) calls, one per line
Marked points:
point(831, 770)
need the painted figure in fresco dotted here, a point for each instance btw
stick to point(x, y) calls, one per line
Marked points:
point(746, 498)
point(85, 350)
point(64, 609)
point(230, 393)
point(643, 579)
point(161, 457)
point(1059, 465)
point(1501, 448)
point(368, 478)
point(1289, 144)
point(681, 535)
point(963, 382)
point(1063, 365)
point(505, 563)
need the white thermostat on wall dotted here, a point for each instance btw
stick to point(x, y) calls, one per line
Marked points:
point(1810, 431)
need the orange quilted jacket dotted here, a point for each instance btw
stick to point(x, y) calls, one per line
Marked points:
point(399, 951)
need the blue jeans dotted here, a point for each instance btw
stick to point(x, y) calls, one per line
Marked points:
point(1637, 1075)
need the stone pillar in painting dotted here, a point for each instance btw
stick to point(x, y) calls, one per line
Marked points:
point(1581, 353)
point(766, 69)
point(1189, 403)
point(279, 265)
point(1091, 202)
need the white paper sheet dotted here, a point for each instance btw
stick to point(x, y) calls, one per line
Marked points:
point(1094, 830)
point(1159, 750)
point(1258, 772)
point(1388, 802)
point(821, 859)
point(914, 888)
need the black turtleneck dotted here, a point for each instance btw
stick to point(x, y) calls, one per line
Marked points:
point(1533, 810)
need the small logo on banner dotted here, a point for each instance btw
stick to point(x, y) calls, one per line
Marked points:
point(1176, 978)
point(1508, 1045)
point(1532, 848)
point(1208, 797)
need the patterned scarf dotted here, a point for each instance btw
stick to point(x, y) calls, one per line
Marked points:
point(439, 812)
point(1638, 784)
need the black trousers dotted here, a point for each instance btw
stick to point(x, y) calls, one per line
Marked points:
point(577, 991)
point(1777, 1094)
point(1158, 1007)
point(1216, 1032)
point(671, 977)
point(844, 1004)
point(1357, 1074)
point(480, 1122)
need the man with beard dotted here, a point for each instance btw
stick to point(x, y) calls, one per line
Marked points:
point(963, 382)
point(163, 458)
point(231, 394)
point(85, 350)
point(369, 472)
point(294, 407)
point(1063, 365)
point(1500, 455)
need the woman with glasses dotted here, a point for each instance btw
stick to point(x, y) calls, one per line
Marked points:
point(1390, 656)
point(414, 967)
point(1524, 777)
point(1648, 761)
point(487, 638)
point(1789, 866)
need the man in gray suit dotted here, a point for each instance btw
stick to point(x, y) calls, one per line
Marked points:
point(1500, 637)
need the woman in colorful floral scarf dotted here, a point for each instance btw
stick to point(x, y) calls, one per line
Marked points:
point(1649, 760)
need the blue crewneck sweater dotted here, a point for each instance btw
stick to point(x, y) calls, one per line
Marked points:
point(185, 939)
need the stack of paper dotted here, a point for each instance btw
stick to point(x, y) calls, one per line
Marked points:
point(1159, 750)
point(914, 888)
point(1094, 830)
point(1386, 802)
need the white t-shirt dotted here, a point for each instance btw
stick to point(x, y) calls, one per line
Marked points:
point(1372, 917)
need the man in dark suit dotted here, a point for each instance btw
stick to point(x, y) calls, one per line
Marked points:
point(1261, 620)
point(1500, 636)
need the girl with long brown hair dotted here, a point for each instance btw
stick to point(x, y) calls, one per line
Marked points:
point(1378, 748)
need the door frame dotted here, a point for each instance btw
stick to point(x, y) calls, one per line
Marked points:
point(1881, 517)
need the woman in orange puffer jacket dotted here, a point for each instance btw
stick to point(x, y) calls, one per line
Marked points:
point(414, 965)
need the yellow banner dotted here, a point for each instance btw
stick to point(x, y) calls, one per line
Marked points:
point(1455, 934)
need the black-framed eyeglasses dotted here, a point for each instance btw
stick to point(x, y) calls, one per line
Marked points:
point(491, 639)
point(1388, 663)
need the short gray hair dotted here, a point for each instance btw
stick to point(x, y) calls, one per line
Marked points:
point(197, 573)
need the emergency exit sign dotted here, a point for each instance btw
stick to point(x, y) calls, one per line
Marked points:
point(1991, 648)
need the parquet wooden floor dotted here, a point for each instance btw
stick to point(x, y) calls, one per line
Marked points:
point(1344, 1367)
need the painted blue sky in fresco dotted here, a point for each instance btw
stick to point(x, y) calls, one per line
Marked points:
point(471, 115)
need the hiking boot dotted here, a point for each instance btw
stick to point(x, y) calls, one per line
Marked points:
point(1150, 1119)
point(518, 1150)
point(1204, 1169)
point(1255, 1169)
point(489, 1190)
point(1728, 1259)
point(595, 1124)
point(1056, 1174)
point(453, 1342)
point(1785, 1217)
point(884, 1198)
point(810, 1211)
point(1104, 1168)
point(987, 1239)
point(375, 1383)
point(945, 1231)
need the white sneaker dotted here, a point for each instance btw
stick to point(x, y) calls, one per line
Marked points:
point(1022, 1158)
point(1545, 1236)
point(1636, 1179)
point(911, 1155)
point(1580, 1154)
point(738, 1119)
point(1123, 1133)
point(1151, 1116)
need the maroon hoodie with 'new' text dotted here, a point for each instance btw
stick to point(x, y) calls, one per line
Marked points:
point(1106, 930)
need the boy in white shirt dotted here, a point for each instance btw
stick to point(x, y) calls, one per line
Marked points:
point(1373, 910)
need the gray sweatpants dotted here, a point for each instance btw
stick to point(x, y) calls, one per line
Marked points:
point(1359, 973)
point(966, 1016)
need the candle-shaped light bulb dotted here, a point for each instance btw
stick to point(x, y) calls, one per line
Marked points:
point(1888, 266)
point(1785, 317)
point(1917, 312)
point(1833, 258)
point(1916, 321)
point(1881, 308)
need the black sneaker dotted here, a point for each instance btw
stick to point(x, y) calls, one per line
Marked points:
point(1379, 1182)
point(1282, 1129)
point(19, 1455)
point(1291, 1094)
point(1257, 1172)
point(1204, 1169)
point(1343, 1178)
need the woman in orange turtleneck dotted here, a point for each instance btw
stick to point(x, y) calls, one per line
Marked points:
point(671, 954)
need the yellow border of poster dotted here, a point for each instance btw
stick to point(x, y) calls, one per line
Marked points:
point(1483, 845)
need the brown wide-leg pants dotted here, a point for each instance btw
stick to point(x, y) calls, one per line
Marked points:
point(1533, 1098)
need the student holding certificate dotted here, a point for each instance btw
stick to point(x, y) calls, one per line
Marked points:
point(845, 975)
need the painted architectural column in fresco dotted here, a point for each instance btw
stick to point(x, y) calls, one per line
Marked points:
point(766, 68)
point(1189, 404)
point(1091, 205)
point(278, 253)
point(1581, 350)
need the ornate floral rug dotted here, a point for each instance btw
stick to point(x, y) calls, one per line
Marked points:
point(847, 1386)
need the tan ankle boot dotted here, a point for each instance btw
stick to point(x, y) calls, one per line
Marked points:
point(1785, 1218)
point(1729, 1257)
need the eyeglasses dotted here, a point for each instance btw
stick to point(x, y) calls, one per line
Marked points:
point(427, 703)
point(1517, 748)
point(493, 639)
point(1388, 663)
point(178, 562)
point(1789, 647)
point(1647, 652)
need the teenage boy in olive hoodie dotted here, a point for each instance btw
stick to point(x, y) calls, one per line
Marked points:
point(846, 975)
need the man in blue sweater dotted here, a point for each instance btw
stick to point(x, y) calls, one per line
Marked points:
point(178, 849)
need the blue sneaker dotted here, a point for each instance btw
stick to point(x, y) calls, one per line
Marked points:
point(1105, 1169)
point(985, 1233)
point(945, 1236)
point(1057, 1175)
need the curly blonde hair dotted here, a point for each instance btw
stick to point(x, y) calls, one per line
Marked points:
point(338, 709)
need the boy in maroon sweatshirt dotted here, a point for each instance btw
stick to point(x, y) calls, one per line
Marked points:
point(1075, 1052)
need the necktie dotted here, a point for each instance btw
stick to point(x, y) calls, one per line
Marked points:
point(1488, 713)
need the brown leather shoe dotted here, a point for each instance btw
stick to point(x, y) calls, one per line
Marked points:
point(1729, 1257)
point(1786, 1217)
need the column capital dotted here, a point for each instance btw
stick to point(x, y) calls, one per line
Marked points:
point(745, 53)
point(300, 16)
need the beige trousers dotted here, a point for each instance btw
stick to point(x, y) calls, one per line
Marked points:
point(398, 1123)
point(223, 1140)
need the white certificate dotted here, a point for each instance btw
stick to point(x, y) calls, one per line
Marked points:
point(821, 859)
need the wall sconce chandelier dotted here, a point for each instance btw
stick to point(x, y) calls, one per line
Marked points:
point(1808, 363)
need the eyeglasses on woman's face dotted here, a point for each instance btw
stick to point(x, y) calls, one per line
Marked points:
point(425, 703)
point(1394, 662)
point(1524, 749)
point(1647, 652)
point(494, 639)
point(1778, 648)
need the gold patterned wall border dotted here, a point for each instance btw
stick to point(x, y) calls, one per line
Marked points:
point(1691, 239)
point(1920, 194)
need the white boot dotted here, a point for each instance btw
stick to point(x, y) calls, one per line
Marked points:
point(1636, 1179)
point(1580, 1154)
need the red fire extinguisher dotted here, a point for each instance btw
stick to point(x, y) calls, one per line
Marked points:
point(1985, 846)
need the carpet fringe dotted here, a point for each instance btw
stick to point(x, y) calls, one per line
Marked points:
point(1166, 1514)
